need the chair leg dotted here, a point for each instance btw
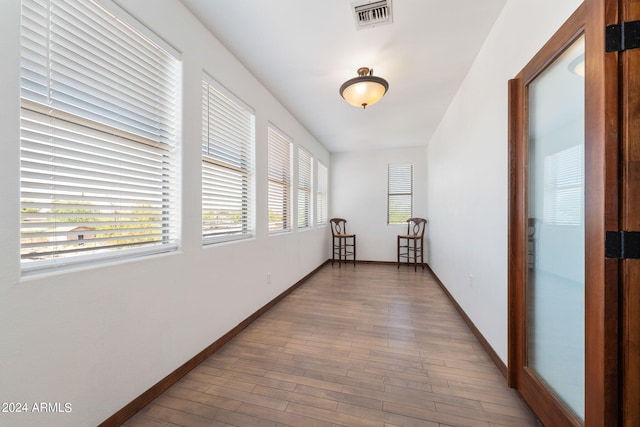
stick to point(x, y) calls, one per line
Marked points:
point(333, 250)
point(354, 250)
point(398, 259)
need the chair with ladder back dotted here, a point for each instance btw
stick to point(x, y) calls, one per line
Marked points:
point(344, 244)
point(411, 245)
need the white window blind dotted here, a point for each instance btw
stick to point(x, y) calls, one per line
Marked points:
point(98, 135)
point(400, 193)
point(279, 165)
point(564, 187)
point(228, 134)
point(305, 186)
point(321, 196)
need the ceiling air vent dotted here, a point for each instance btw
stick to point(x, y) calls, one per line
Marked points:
point(370, 13)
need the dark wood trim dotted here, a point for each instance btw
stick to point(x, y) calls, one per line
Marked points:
point(516, 237)
point(402, 264)
point(630, 220)
point(156, 390)
point(556, 45)
point(536, 394)
point(601, 203)
point(485, 344)
point(361, 261)
point(601, 289)
point(601, 214)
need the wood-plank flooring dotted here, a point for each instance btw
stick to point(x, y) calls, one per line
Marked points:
point(370, 345)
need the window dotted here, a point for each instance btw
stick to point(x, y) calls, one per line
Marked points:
point(279, 147)
point(321, 196)
point(305, 172)
point(227, 165)
point(99, 125)
point(400, 193)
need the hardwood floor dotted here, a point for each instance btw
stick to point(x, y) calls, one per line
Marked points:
point(370, 345)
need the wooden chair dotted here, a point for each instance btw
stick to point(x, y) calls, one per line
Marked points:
point(344, 244)
point(410, 245)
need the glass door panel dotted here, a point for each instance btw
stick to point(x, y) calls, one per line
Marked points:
point(555, 349)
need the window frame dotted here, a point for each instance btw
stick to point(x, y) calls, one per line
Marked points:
point(116, 156)
point(231, 160)
point(322, 194)
point(279, 175)
point(305, 189)
point(399, 188)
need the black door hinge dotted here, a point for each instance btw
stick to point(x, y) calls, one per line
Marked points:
point(622, 244)
point(623, 36)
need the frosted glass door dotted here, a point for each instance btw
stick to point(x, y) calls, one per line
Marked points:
point(555, 204)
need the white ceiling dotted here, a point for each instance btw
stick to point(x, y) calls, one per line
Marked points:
point(302, 51)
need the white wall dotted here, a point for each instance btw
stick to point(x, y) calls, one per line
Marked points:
point(98, 337)
point(359, 194)
point(468, 168)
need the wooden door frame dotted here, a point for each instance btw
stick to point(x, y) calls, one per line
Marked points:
point(630, 220)
point(601, 213)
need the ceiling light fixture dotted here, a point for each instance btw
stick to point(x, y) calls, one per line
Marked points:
point(364, 90)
